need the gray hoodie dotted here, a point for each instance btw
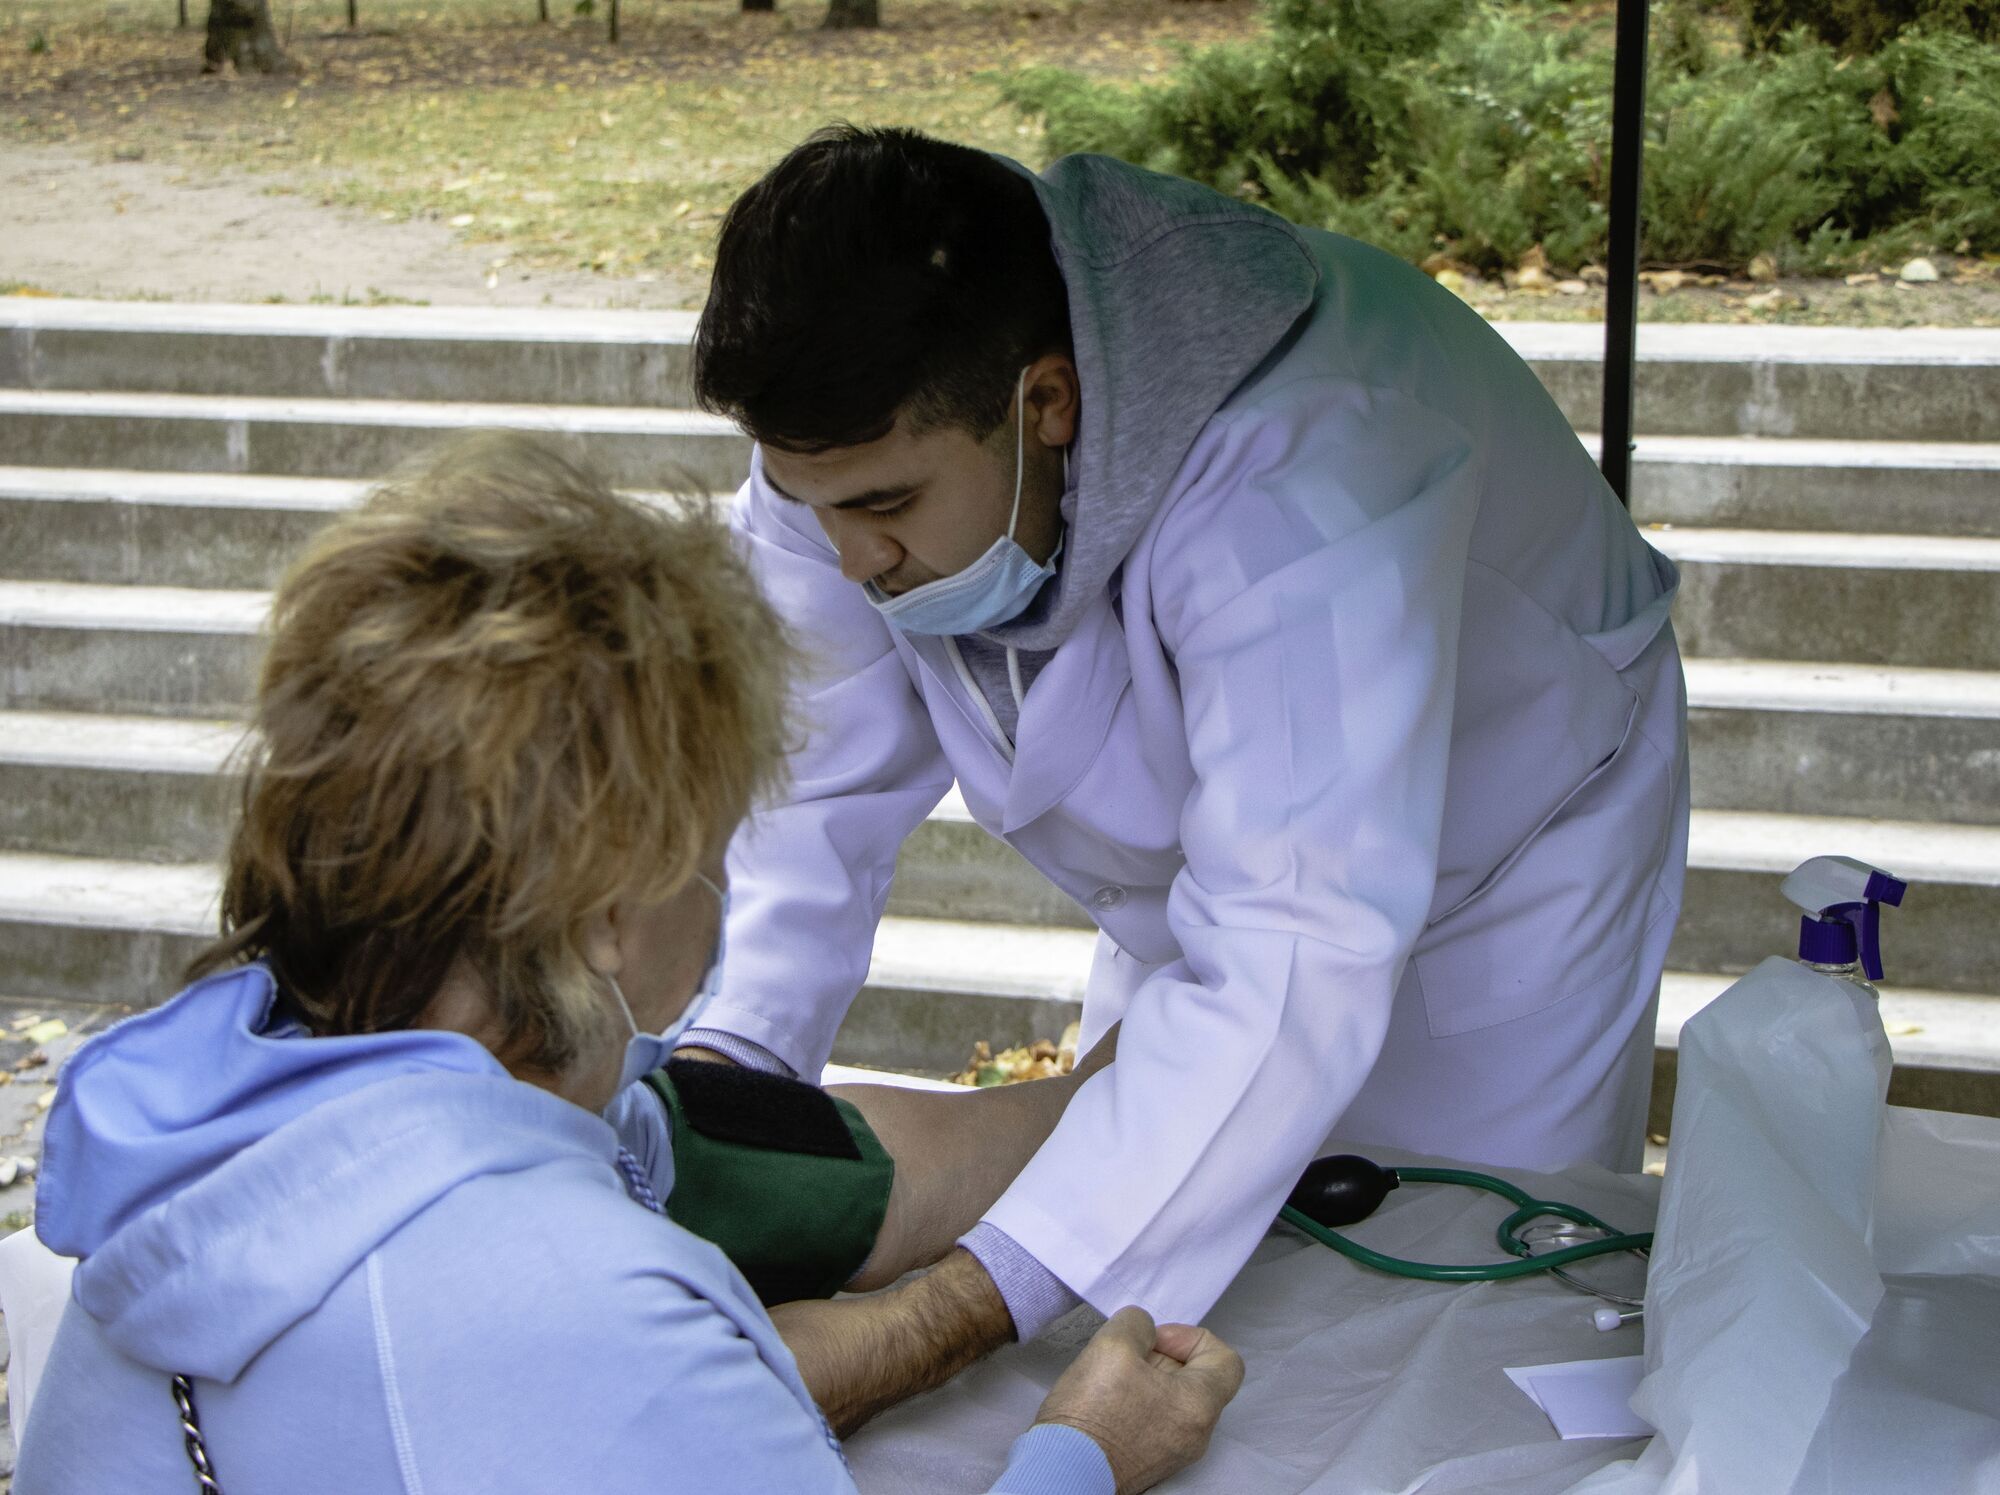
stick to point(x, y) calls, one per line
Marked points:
point(1176, 295)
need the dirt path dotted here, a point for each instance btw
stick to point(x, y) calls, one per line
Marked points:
point(77, 226)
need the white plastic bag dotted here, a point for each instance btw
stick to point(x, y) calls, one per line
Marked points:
point(1824, 1296)
point(34, 1290)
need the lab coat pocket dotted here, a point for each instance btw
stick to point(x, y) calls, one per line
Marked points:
point(1567, 907)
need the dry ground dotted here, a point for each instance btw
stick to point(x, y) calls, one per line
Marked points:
point(538, 148)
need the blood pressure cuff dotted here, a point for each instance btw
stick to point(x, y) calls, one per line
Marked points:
point(791, 1183)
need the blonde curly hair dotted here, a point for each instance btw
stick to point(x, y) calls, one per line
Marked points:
point(498, 697)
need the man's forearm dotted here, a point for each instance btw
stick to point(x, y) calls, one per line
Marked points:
point(955, 1154)
point(861, 1356)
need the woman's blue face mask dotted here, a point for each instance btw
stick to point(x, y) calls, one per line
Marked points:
point(994, 589)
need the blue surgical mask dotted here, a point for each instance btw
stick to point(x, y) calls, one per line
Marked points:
point(994, 589)
point(646, 1052)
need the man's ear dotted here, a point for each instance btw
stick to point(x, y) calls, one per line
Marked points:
point(599, 939)
point(1054, 400)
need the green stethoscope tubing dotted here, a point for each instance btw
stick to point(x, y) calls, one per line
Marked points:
point(1508, 1235)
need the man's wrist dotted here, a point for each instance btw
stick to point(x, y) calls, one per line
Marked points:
point(958, 1309)
point(1035, 1296)
point(946, 1320)
point(861, 1356)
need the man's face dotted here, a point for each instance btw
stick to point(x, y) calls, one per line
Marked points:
point(907, 509)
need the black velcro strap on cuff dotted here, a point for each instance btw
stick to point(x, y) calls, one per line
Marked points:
point(728, 1104)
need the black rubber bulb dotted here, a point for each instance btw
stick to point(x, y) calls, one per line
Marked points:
point(1341, 1190)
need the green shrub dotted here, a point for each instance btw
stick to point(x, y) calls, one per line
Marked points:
point(1481, 131)
point(1858, 28)
point(1724, 180)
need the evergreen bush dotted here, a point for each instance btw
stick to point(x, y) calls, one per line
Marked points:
point(1478, 131)
point(1858, 28)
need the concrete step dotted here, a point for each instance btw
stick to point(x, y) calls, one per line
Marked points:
point(157, 651)
point(77, 930)
point(1919, 384)
point(135, 788)
point(1765, 594)
point(151, 789)
point(93, 930)
point(239, 529)
point(1869, 487)
point(1808, 739)
point(154, 789)
point(1903, 600)
point(172, 529)
point(1945, 937)
point(524, 356)
point(671, 450)
point(1913, 746)
point(1887, 741)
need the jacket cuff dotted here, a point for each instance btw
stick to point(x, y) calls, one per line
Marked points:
point(1052, 1458)
point(742, 1050)
point(1035, 1296)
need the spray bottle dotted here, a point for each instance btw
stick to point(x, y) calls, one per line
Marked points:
point(1841, 933)
point(1763, 1275)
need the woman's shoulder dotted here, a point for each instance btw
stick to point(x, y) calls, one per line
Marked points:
point(564, 1225)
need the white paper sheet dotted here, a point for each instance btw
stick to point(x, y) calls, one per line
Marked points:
point(1359, 1383)
point(1587, 1398)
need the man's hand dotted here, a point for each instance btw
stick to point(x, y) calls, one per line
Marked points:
point(1150, 1397)
point(861, 1356)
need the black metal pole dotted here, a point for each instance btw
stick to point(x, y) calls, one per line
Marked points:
point(1621, 287)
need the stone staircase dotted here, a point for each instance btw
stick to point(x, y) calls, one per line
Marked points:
point(1832, 497)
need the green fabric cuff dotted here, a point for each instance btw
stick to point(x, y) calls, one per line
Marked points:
point(767, 1178)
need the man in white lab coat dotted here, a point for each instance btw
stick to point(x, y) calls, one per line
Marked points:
point(1252, 588)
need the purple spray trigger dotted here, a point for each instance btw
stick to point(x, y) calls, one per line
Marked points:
point(1843, 901)
point(1882, 888)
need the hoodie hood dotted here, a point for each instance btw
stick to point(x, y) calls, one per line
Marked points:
point(1176, 294)
point(218, 1174)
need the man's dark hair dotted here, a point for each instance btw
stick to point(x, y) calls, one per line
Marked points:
point(873, 272)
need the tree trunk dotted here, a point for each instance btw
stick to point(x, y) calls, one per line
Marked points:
point(542, 10)
point(184, 15)
point(846, 15)
point(239, 32)
point(353, 14)
point(614, 22)
point(760, 5)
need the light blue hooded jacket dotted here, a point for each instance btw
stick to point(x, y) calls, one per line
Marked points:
point(389, 1266)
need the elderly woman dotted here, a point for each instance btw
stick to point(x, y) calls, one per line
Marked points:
point(375, 1204)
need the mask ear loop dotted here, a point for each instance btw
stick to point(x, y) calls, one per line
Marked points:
point(1020, 448)
point(1020, 470)
point(623, 1005)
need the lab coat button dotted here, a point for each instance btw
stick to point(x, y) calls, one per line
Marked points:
point(1108, 897)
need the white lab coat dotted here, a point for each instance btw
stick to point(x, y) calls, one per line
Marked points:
point(1369, 765)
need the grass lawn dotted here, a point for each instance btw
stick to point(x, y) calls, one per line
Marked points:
point(548, 147)
point(543, 140)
